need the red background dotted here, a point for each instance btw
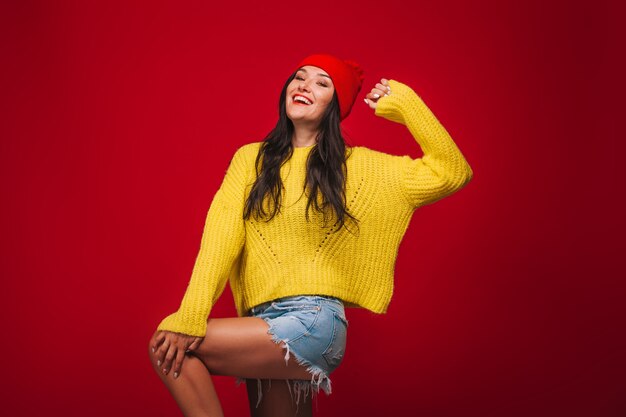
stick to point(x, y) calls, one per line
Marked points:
point(118, 121)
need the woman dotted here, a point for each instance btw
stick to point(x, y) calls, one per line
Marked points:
point(301, 227)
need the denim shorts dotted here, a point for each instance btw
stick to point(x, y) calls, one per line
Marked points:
point(313, 328)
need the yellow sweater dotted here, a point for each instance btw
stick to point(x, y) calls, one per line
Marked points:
point(290, 256)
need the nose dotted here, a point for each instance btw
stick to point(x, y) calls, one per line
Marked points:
point(302, 86)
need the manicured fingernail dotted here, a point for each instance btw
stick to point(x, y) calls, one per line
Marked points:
point(388, 88)
point(376, 95)
point(175, 375)
point(164, 371)
point(152, 350)
point(365, 100)
point(159, 363)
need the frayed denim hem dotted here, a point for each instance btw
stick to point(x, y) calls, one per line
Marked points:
point(301, 387)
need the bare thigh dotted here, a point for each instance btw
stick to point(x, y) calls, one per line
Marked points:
point(277, 400)
point(241, 347)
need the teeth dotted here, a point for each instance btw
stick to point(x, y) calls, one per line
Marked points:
point(302, 99)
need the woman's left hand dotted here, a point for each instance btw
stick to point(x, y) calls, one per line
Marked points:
point(381, 89)
point(169, 349)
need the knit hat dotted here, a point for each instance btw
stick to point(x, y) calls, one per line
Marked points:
point(347, 77)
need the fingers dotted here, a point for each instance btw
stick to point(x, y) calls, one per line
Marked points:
point(184, 346)
point(380, 90)
point(383, 87)
point(162, 350)
point(195, 344)
point(170, 354)
point(178, 363)
point(377, 92)
point(157, 339)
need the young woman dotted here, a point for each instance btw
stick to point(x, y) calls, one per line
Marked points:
point(301, 227)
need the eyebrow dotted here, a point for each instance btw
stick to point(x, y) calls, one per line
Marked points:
point(319, 73)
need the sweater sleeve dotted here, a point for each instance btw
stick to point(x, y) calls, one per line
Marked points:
point(442, 170)
point(222, 241)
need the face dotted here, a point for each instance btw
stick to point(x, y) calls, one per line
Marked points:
point(308, 95)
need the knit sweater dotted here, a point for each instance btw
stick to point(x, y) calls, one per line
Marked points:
point(289, 256)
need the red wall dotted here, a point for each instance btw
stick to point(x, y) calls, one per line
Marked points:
point(118, 120)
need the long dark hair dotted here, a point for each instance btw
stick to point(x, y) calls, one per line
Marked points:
point(326, 168)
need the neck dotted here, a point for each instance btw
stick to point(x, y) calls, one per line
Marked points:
point(304, 135)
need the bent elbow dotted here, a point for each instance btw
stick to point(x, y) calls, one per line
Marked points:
point(469, 174)
point(459, 179)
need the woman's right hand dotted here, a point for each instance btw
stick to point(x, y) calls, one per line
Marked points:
point(169, 346)
point(380, 90)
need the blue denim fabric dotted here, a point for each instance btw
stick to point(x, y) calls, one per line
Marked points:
point(311, 327)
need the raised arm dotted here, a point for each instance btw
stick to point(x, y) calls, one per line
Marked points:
point(222, 241)
point(442, 170)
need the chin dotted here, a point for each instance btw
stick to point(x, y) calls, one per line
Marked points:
point(295, 117)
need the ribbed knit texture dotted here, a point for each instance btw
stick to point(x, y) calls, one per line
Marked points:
point(290, 256)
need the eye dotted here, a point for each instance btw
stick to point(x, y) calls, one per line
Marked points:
point(323, 84)
point(299, 77)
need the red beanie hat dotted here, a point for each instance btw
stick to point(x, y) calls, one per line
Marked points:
point(347, 78)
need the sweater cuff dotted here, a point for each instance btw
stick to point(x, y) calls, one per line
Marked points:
point(392, 107)
point(173, 323)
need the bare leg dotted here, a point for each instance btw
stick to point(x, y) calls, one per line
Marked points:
point(277, 400)
point(238, 346)
point(193, 390)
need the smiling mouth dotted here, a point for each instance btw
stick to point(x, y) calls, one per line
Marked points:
point(302, 100)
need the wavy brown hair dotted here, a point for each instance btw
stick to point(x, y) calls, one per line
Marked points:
point(326, 168)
